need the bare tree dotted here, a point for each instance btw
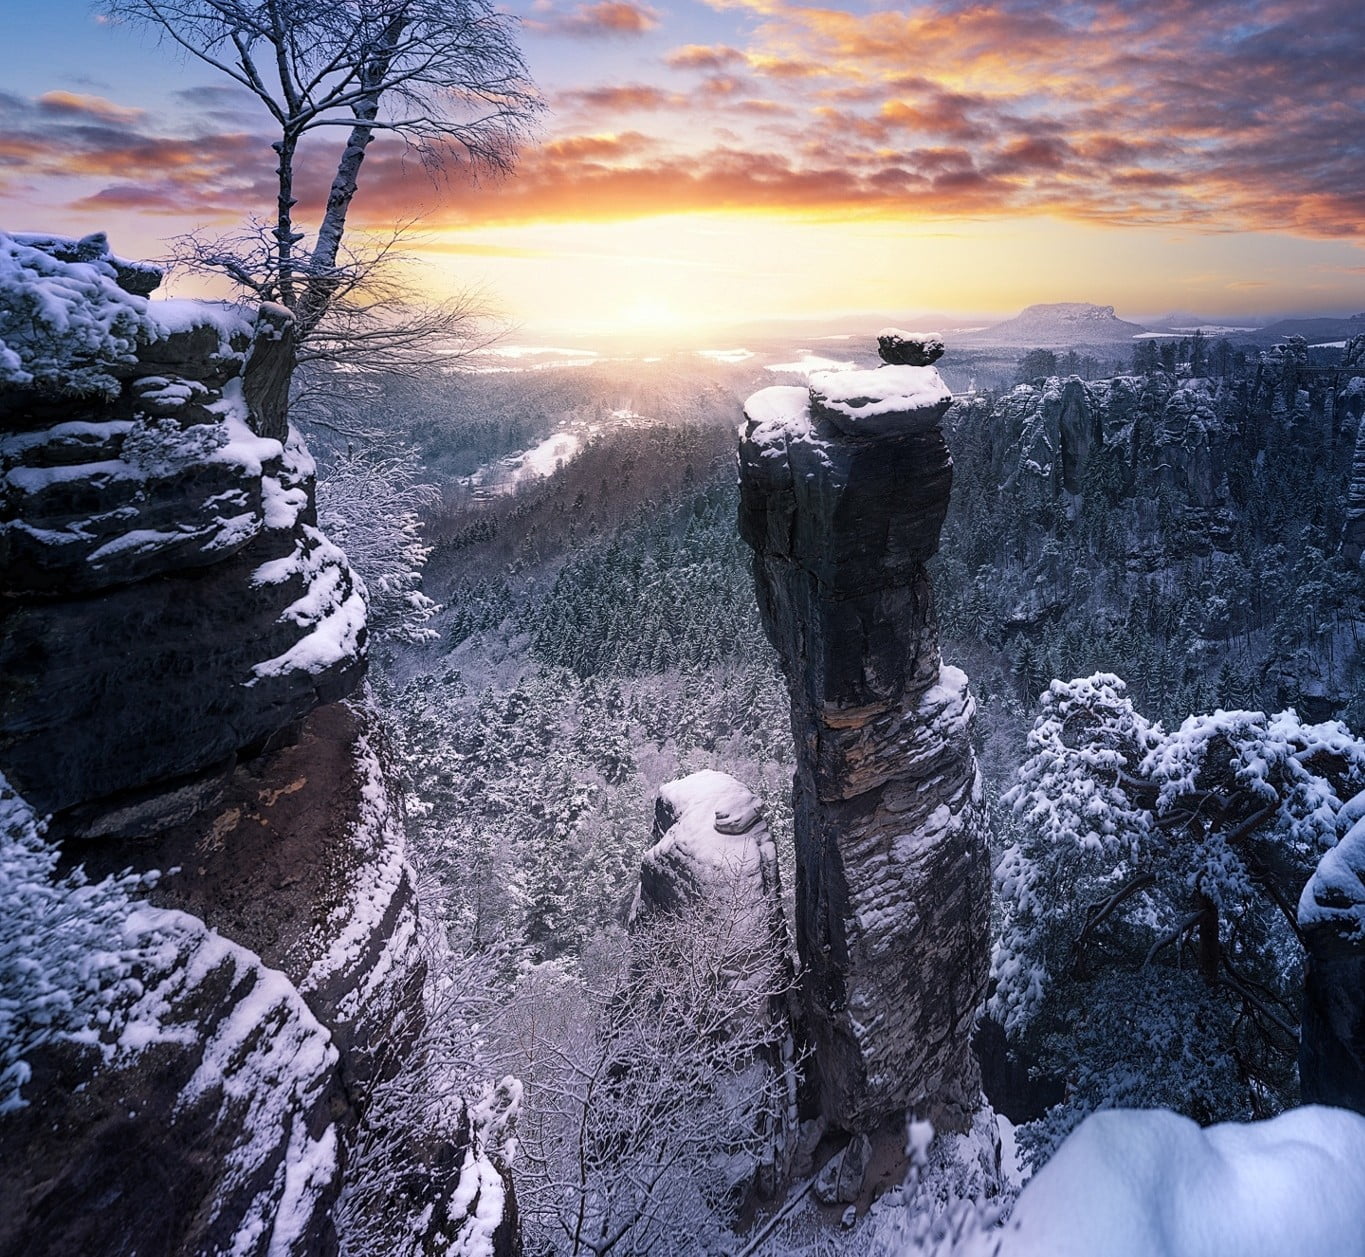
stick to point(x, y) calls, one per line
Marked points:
point(371, 506)
point(446, 76)
point(649, 1084)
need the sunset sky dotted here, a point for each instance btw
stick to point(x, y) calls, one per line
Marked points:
point(703, 163)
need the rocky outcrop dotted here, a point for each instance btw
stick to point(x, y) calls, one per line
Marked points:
point(1332, 919)
point(202, 1065)
point(1058, 428)
point(166, 600)
point(709, 838)
point(712, 851)
point(1050, 435)
point(174, 1094)
point(843, 490)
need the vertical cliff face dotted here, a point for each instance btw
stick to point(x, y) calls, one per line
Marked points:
point(1332, 918)
point(844, 487)
point(167, 599)
point(192, 1060)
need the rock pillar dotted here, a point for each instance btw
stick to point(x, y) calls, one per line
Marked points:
point(843, 490)
point(712, 853)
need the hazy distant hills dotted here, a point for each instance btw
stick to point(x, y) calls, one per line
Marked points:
point(1079, 325)
point(1315, 331)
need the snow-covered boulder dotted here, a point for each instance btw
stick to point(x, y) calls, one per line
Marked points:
point(710, 837)
point(1138, 1183)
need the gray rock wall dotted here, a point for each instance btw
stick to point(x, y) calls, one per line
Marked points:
point(1332, 918)
point(844, 488)
point(175, 633)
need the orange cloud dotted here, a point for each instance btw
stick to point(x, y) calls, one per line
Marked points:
point(623, 99)
point(93, 107)
point(703, 57)
point(1226, 114)
point(604, 18)
point(597, 147)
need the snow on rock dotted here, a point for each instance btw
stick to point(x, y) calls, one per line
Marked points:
point(780, 410)
point(911, 349)
point(143, 495)
point(367, 967)
point(1132, 1183)
point(263, 1064)
point(1335, 894)
point(185, 1044)
point(1332, 918)
point(709, 836)
point(886, 401)
point(713, 855)
point(332, 609)
point(73, 317)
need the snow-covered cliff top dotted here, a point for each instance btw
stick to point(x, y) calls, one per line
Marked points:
point(65, 323)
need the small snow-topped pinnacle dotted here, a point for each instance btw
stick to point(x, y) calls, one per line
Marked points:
point(909, 349)
point(710, 800)
point(709, 835)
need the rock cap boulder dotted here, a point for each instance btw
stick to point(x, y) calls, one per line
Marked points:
point(909, 349)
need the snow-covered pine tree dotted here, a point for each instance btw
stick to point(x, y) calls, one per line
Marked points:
point(1149, 950)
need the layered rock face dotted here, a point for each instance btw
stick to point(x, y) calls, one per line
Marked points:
point(201, 1057)
point(712, 850)
point(843, 491)
point(166, 600)
point(1332, 918)
point(1351, 404)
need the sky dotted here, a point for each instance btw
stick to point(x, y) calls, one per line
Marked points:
point(702, 164)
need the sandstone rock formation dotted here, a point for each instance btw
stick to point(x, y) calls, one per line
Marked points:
point(175, 633)
point(1351, 408)
point(160, 566)
point(1332, 918)
point(844, 488)
point(709, 838)
point(712, 851)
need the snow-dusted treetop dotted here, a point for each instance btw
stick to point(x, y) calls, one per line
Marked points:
point(66, 324)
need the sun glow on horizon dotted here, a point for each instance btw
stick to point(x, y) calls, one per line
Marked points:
point(689, 273)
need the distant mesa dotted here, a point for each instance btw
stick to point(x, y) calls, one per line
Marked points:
point(1060, 324)
point(1178, 319)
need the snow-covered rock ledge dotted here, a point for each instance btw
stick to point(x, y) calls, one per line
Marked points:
point(158, 1082)
point(171, 601)
point(1332, 919)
